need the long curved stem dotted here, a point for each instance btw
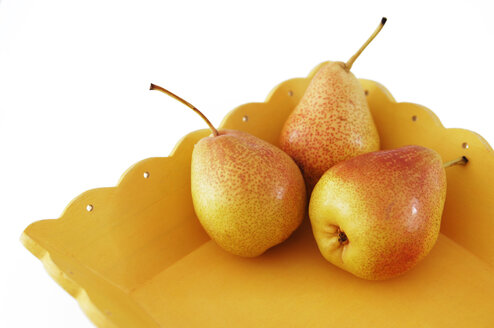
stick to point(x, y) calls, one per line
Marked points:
point(349, 63)
point(188, 104)
point(459, 161)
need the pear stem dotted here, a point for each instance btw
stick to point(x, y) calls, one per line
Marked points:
point(349, 63)
point(459, 161)
point(188, 104)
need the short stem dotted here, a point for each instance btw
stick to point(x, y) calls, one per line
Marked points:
point(185, 102)
point(349, 63)
point(459, 161)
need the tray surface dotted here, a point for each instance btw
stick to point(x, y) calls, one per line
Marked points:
point(139, 257)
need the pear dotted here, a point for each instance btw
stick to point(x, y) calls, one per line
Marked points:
point(378, 214)
point(247, 194)
point(332, 121)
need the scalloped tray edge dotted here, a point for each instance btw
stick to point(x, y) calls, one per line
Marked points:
point(69, 285)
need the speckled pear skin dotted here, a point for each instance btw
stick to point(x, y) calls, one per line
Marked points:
point(388, 203)
point(248, 194)
point(331, 123)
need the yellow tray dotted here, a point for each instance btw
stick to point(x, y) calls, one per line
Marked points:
point(140, 258)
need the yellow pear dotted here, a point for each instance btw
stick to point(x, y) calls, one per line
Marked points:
point(247, 194)
point(332, 121)
point(378, 214)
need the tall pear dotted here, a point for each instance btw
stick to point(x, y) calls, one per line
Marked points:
point(332, 122)
point(247, 194)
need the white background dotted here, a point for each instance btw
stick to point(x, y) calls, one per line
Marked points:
point(76, 112)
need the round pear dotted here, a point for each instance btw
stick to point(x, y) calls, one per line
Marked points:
point(378, 214)
point(247, 194)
